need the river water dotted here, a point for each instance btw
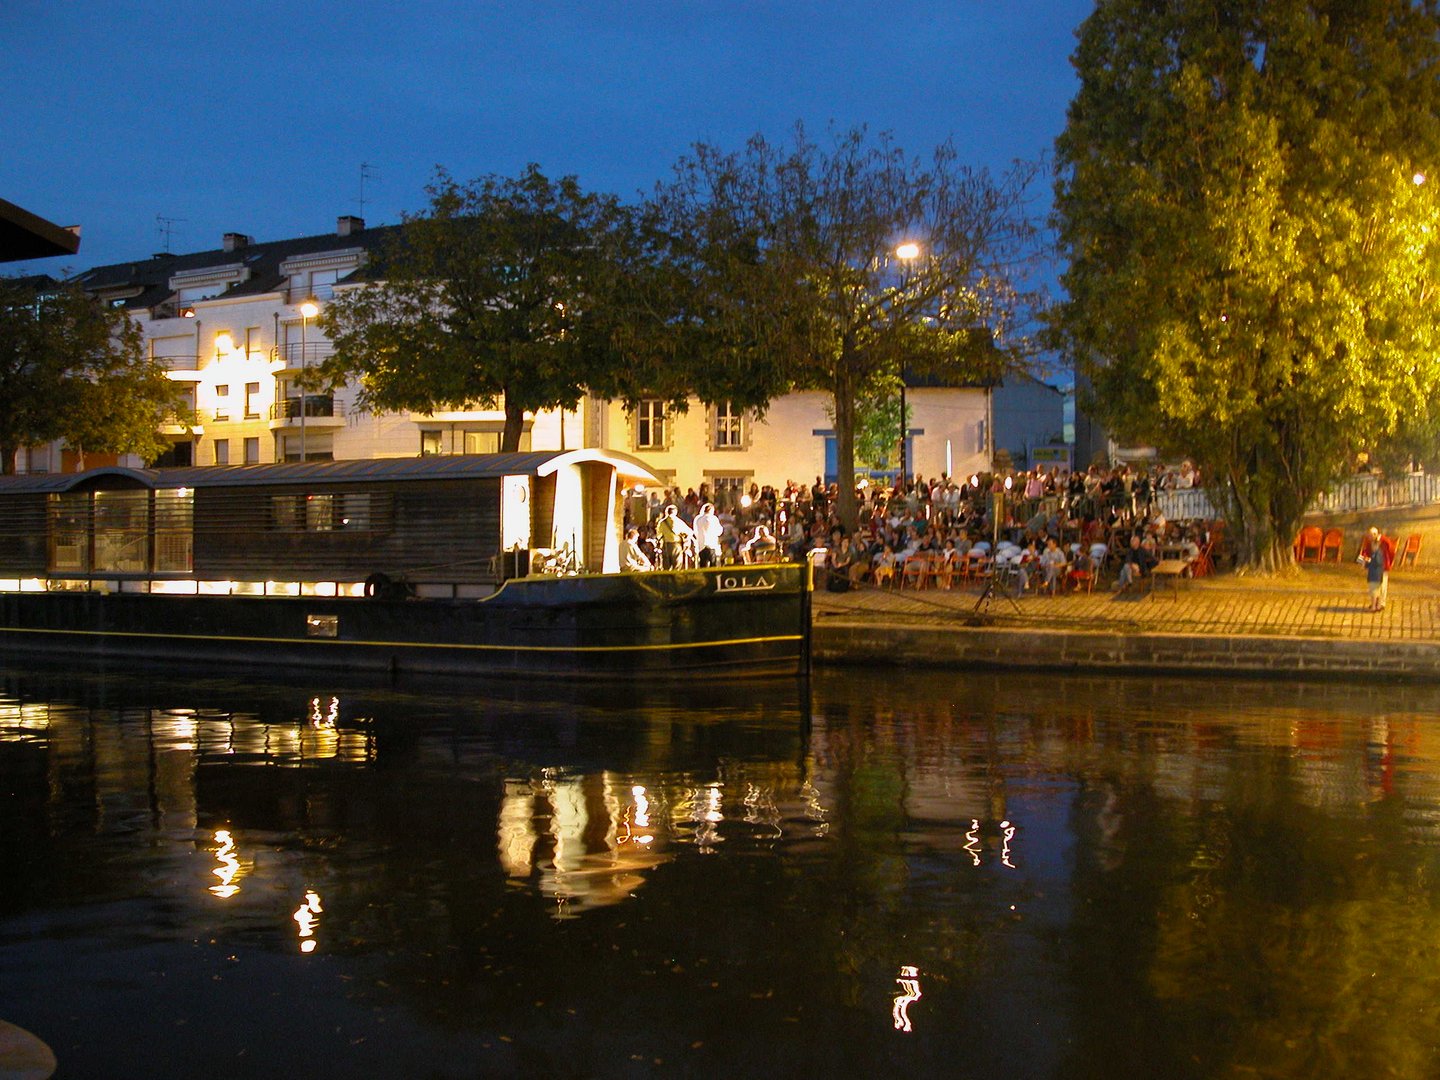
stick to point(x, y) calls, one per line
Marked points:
point(886, 873)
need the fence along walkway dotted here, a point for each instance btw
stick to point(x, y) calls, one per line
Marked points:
point(1359, 493)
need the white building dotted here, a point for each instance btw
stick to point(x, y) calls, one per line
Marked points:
point(235, 326)
point(794, 440)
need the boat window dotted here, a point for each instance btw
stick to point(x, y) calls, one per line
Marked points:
point(122, 532)
point(70, 533)
point(175, 530)
point(355, 511)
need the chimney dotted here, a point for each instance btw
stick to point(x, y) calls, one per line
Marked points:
point(234, 241)
point(349, 225)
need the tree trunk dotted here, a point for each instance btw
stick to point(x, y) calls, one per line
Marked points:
point(845, 506)
point(1262, 520)
point(7, 460)
point(514, 426)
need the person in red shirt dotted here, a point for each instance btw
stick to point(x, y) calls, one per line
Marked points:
point(1377, 554)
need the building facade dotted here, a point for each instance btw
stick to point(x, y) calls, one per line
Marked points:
point(236, 328)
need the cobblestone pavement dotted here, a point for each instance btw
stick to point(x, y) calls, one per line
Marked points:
point(1315, 601)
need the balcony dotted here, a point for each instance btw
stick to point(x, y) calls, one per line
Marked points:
point(297, 356)
point(317, 411)
point(183, 422)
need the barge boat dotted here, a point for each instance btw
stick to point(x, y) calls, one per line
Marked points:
point(488, 564)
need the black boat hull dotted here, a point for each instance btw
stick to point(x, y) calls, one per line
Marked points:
point(750, 620)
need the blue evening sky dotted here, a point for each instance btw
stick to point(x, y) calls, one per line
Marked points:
point(256, 118)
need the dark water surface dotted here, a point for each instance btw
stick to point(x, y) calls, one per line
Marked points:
point(896, 874)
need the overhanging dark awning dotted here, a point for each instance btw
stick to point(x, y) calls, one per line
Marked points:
point(25, 236)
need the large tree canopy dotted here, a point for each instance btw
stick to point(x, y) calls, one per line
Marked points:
point(487, 299)
point(1243, 193)
point(74, 369)
point(798, 278)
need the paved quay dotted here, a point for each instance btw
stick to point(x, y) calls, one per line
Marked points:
point(1312, 622)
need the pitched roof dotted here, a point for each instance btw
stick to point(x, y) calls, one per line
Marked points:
point(145, 283)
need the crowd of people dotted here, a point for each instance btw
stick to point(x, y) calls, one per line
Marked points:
point(1051, 525)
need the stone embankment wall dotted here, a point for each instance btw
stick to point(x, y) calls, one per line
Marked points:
point(840, 642)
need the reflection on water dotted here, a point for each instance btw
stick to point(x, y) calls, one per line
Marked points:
point(929, 875)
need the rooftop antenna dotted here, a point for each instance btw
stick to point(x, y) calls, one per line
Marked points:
point(165, 226)
point(367, 172)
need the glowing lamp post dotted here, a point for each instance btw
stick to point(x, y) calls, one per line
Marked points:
point(308, 310)
point(906, 253)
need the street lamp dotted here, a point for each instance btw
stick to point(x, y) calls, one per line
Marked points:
point(308, 310)
point(906, 253)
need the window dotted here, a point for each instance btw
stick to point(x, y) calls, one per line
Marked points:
point(430, 442)
point(252, 401)
point(728, 427)
point(728, 488)
point(310, 513)
point(222, 402)
point(222, 451)
point(252, 451)
point(482, 442)
point(252, 340)
point(358, 511)
point(650, 425)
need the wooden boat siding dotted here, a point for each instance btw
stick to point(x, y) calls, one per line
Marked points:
point(24, 551)
point(430, 521)
point(422, 530)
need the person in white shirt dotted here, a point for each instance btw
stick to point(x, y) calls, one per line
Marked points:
point(708, 531)
point(1052, 561)
point(633, 557)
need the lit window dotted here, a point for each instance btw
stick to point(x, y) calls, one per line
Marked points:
point(729, 427)
point(650, 425)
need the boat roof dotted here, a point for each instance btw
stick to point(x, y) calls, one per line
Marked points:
point(367, 471)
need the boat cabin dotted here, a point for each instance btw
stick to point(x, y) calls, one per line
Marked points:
point(454, 526)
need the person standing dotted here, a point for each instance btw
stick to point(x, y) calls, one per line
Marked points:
point(708, 531)
point(1377, 555)
point(672, 533)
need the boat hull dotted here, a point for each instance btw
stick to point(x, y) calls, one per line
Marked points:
point(751, 620)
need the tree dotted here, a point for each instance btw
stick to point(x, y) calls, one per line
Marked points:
point(74, 369)
point(797, 282)
point(486, 299)
point(1241, 195)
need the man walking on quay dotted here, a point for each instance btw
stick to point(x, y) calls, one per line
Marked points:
point(1377, 554)
point(672, 533)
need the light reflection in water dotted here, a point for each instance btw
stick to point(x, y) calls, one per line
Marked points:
point(908, 982)
point(972, 841)
point(306, 918)
point(22, 723)
point(229, 871)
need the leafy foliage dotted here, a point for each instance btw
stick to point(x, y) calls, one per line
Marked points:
point(73, 369)
point(1252, 254)
point(487, 299)
point(795, 277)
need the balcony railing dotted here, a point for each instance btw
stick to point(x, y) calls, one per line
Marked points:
point(185, 418)
point(313, 405)
point(297, 354)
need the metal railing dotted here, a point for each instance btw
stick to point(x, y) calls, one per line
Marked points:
point(296, 354)
point(1359, 493)
point(313, 405)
